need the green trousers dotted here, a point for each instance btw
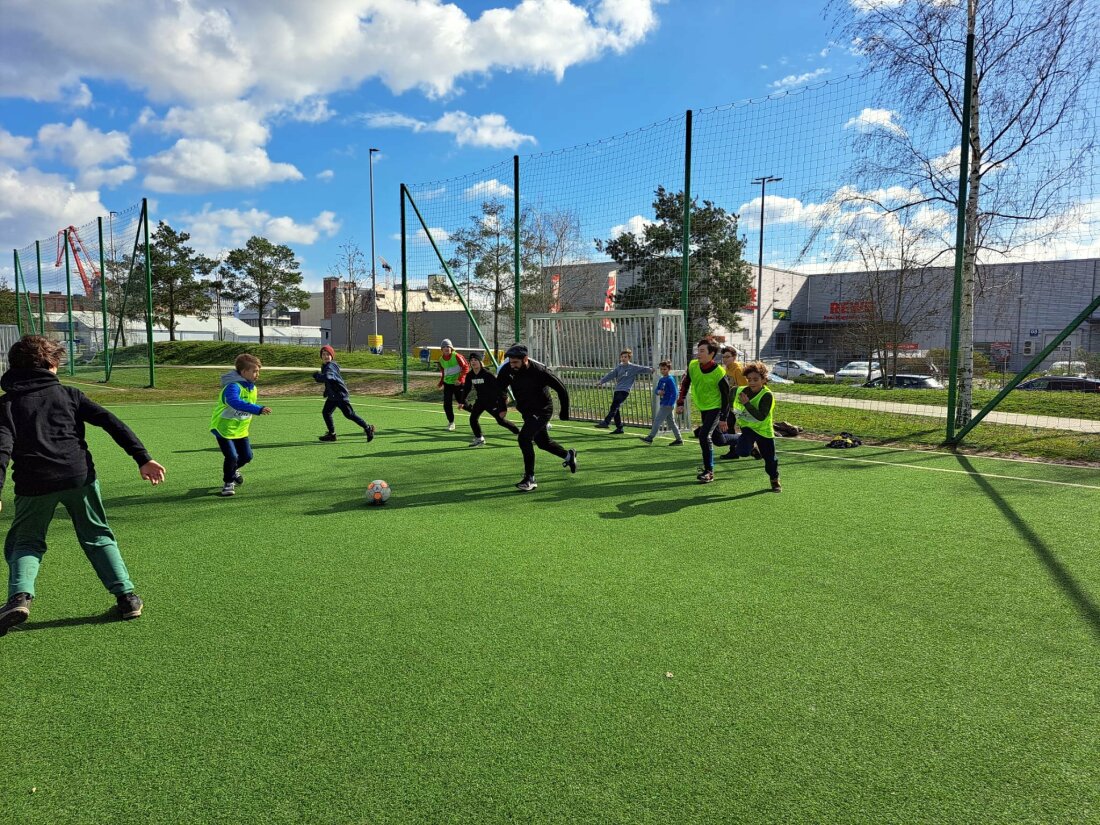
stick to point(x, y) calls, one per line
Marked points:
point(26, 541)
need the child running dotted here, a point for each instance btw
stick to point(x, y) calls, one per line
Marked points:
point(42, 428)
point(336, 396)
point(489, 399)
point(624, 376)
point(754, 406)
point(531, 383)
point(232, 418)
point(710, 395)
point(736, 378)
point(452, 378)
point(666, 406)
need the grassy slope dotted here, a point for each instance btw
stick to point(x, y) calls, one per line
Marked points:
point(466, 654)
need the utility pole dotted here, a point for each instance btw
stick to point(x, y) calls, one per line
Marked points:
point(373, 277)
point(764, 181)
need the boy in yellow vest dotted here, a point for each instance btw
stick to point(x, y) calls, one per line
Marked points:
point(754, 406)
point(232, 417)
point(710, 395)
point(452, 378)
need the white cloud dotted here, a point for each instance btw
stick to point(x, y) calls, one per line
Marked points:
point(81, 146)
point(202, 165)
point(14, 147)
point(794, 80)
point(439, 235)
point(35, 204)
point(214, 231)
point(635, 226)
point(285, 50)
point(487, 190)
point(326, 175)
point(490, 130)
point(870, 119)
point(311, 110)
point(115, 176)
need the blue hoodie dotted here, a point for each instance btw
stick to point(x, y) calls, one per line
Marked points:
point(330, 376)
point(233, 380)
point(666, 390)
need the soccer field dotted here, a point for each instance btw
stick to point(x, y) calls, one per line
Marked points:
point(898, 637)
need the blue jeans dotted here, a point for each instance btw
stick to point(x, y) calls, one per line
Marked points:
point(664, 415)
point(742, 444)
point(237, 452)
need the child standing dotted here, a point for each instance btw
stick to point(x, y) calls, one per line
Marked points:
point(489, 399)
point(233, 416)
point(336, 396)
point(666, 406)
point(452, 378)
point(42, 426)
point(624, 376)
point(754, 406)
point(710, 395)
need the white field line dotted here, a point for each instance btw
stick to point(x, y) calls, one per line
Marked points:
point(420, 407)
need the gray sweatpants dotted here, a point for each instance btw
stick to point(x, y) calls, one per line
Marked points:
point(664, 415)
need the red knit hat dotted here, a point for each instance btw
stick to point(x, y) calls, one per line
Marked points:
point(329, 350)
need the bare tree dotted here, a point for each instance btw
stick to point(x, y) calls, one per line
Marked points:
point(555, 240)
point(351, 269)
point(1028, 138)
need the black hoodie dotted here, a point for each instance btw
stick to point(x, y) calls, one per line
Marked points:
point(42, 428)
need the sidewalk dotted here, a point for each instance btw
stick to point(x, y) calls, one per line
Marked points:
point(1048, 422)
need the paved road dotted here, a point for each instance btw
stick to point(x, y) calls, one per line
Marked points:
point(1083, 425)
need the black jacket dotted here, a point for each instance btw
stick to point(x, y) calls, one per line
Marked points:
point(531, 385)
point(330, 376)
point(42, 429)
point(485, 384)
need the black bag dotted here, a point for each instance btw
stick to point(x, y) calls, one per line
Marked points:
point(786, 429)
point(844, 441)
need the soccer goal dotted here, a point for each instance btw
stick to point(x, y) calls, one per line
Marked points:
point(582, 347)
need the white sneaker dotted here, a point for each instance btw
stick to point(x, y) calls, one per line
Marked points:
point(229, 489)
point(451, 427)
point(477, 442)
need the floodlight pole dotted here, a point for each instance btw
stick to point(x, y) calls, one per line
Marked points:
point(763, 181)
point(373, 278)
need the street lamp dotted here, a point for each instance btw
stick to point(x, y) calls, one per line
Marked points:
point(373, 277)
point(760, 261)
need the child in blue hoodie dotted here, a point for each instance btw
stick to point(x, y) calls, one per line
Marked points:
point(667, 393)
point(336, 396)
point(232, 418)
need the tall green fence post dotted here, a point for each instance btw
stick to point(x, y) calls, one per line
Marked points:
point(41, 304)
point(103, 303)
point(149, 293)
point(18, 317)
point(960, 242)
point(685, 252)
point(516, 241)
point(404, 302)
point(69, 303)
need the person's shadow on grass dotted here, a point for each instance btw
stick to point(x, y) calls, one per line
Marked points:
point(107, 617)
point(664, 507)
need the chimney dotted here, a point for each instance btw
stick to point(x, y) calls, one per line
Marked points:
point(331, 287)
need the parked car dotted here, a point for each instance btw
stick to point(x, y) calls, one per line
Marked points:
point(856, 372)
point(773, 378)
point(1061, 383)
point(906, 382)
point(793, 369)
point(1078, 369)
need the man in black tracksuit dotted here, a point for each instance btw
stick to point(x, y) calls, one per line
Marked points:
point(489, 399)
point(42, 427)
point(531, 383)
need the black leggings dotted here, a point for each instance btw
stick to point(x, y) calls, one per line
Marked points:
point(743, 443)
point(344, 406)
point(616, 402)
point(498, 416)
point(709, 434)
point(533, 434)
point(451, 393)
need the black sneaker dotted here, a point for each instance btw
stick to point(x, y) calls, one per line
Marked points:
point(228, 489)
point(729, 456)
point(776, 486)
point(679, 442)
point(647, 439)
point(130, 605)
point(369, 430)
point(603, 425)
point(704, 472)
point(618, 431)
point(238, 479)
point(570, 461)
point(15, 611)
point(706, 478)
point(527, 485)
point(327, 437)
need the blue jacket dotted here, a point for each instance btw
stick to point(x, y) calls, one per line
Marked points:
point(232, 381)
point(666, 390)
point(624, 375)
point(332, 379)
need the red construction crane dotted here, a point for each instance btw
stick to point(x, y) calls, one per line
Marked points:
point(78, 250)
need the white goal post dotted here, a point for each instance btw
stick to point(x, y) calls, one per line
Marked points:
point(582, 347)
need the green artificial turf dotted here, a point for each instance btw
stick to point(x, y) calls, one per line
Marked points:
point(898, 637)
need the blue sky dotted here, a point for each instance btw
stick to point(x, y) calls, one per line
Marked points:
point(240, 118)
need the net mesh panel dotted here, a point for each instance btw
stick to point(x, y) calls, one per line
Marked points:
point(470, 220)
point(45, 291)
point(582, 347)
